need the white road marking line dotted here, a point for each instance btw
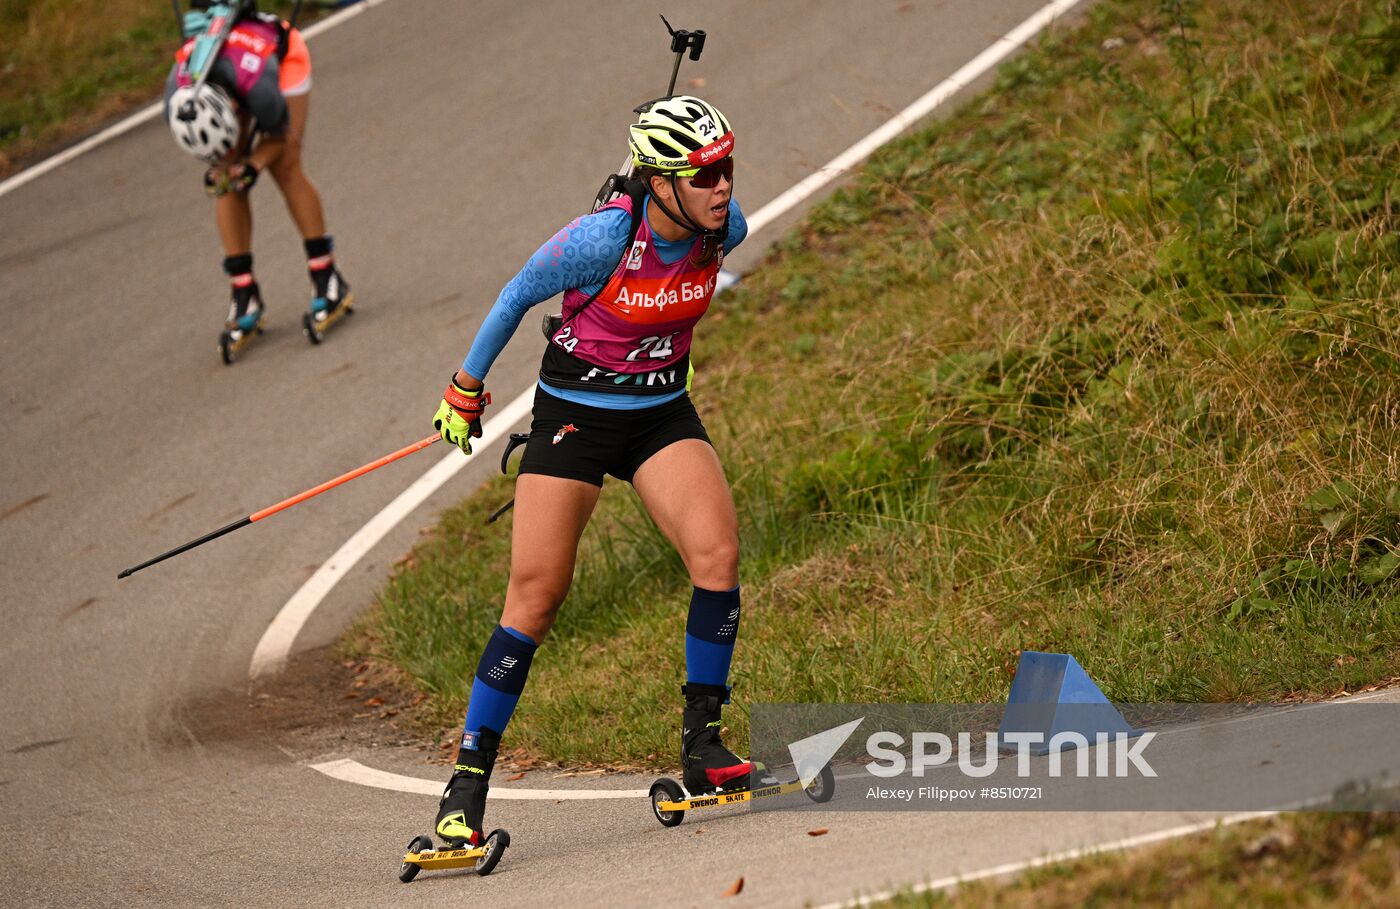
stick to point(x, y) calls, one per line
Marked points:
point(1131, 842)
point(275, 645)
point(1262, 713)
point(967, 73)
point(272, 655)
point(354, 772)
point(147, 113)
point(1070, 855)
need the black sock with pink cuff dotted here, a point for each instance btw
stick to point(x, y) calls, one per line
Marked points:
point(318, 253)
point(239, 266)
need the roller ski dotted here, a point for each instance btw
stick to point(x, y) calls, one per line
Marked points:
point(421, 855)
point(714, 775)
point(459, 820)
point(244, 323)
point(333, 302)
point(669, 804)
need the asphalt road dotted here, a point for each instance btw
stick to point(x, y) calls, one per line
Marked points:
point(447, 146)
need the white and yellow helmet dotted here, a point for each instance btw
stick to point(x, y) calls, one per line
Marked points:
point(680, 134)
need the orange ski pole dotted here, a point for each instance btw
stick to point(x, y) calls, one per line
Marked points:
point(286, 503)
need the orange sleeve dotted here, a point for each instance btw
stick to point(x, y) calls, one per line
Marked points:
point(296, 66)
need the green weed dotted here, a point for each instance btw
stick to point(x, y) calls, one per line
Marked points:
point(1104, 363)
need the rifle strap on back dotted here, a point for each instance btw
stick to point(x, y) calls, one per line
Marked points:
point(636, 191)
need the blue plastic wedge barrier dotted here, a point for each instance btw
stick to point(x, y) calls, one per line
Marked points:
point(1052, 694)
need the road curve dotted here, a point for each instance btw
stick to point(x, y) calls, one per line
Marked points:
point(446, 146)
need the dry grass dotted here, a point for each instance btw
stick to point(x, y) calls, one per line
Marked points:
point(1297, 861)
point(1106, 364)
point(68, 67)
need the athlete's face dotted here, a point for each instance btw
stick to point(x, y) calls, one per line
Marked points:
point(708, 204)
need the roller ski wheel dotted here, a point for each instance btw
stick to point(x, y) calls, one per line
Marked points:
point(317, 322)
point(416, 846)
point(232, 341)
point(822, 787)
point(492, 851)
point(483, 859)
point(667, 792)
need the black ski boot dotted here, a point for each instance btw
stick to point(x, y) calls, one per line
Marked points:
point(245, 311)
point(333, 302)
point(463, 805)
point(244, 323)
point(708, 765)
point(331, 292)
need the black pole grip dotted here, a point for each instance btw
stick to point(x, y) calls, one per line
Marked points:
point(516, 440)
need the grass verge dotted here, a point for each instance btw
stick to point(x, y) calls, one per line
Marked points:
point(1105, 363)
point(69, 66)
point(1298, 861)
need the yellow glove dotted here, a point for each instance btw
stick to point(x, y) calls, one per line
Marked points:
point(458, 417)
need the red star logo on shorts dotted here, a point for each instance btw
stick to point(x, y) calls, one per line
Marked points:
point(563, 431)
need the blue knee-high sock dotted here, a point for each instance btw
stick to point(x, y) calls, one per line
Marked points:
point(709, 635)
point(500, 677)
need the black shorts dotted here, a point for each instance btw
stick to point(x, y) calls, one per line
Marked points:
point(579, 442)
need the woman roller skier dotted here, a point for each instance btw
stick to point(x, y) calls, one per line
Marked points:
point(260, 84)
point(612, 400)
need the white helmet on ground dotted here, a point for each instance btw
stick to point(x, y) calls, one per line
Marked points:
point(212, 127)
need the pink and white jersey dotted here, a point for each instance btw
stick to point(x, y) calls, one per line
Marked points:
point(251, 44)
point(642, 320)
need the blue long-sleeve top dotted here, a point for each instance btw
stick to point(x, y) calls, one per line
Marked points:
point(581, 255)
